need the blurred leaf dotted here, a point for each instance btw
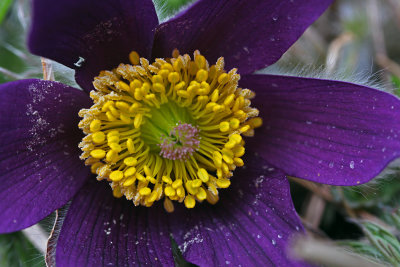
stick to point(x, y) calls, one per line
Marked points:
point(4, 7)
point(396, 83)
point(384, 241)
point(177, 254)
point(16, 250)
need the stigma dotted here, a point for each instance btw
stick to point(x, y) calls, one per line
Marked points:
point(170, 130)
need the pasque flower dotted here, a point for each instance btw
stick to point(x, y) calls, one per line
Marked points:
point(168, 128)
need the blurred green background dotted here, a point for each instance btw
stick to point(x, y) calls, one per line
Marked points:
point(355, 40)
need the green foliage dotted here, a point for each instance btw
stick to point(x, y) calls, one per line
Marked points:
point(177, 254)
point(380, 243)
point(16, 250)
point(4, 7)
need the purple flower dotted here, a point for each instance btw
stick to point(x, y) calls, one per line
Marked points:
point(325, 131)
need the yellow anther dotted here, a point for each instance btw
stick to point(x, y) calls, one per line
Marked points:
point(130, 146)
point(201, 75)
point(196, 183)
point(137, 121)
point(134, 58)
point(145, 191)
point(151, 179)
point(201, 194)
point(159, 87)
point(98, 137)
point(125, 118)
point(167, 66)
point(223, 78)
point(217, 158)
point(238, 162)
point(130, 161)
point(227, 159)
point(230, 144)
point(176, 184)
point(98, 153)
point(225, 168)
point(180, 86)
point(215, 96)
point(112, 133)
point(190, 202)
point(180, 191)
point(105, 107)
point(245, 128)
point(200, 61)
point(145, 88)
point(116, 176)
point(110, 116)
point(130, 181)
point(229, 100)
point(122, 105)
point(173, 77)
point(219, 172)
point(157, 79)
point(167, 179)
point(134, 107)
point(130, 172)
point(168, 205)
point(218, 108)
point(212, 198)
point(255, 122)
point(135, 84)
point(123, 86)
point(224, 126)
point(164, 73)
point(112, 156)
point(116, 147)
point(95, 125)
point(117, 192)
point(138, 94)
point(140, 177)
point(236, 138)
point(113, 139)
point(183, 93)
point(223, 183)
point(203, 175)
point(178, 65)
point(95, 166)
point(190, 188)
point(192, 68)
point(234, 123)
point(147, 170)
point(169, 191)
point(239, 151)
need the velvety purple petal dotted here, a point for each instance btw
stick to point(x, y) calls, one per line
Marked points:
point(249, 226)
point(325, 131)
point(249, 34)
point(100, 230)
point(102, 33)
point(40, 169)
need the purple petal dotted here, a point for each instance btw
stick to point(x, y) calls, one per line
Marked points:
point(325, 131)
point(100, 230)
point(249, 34)
point(40, 169)
point(249, 226)
point(102, 33)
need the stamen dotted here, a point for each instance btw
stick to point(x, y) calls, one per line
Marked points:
point(171, 129)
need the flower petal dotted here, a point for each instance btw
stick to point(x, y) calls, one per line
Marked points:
point(100, 230)
point(40, 169)
point(250, 34)
point(91, 36)
point(249, 226)
point(325, 131)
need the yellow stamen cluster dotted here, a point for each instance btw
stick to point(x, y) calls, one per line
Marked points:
point(137, 106)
